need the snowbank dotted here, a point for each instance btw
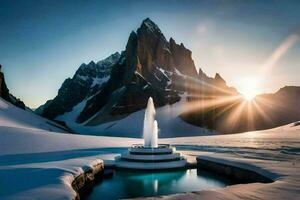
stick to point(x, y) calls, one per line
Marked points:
point(12, 116)
point(37, 164)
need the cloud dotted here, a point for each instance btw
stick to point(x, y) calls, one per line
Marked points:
point(280, 51)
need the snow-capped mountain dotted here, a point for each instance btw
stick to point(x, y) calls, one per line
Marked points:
point(86, 82)
point(119, 85)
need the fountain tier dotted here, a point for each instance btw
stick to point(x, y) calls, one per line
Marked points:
point(161, 157)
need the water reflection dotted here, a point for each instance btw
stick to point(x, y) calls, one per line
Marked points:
point(126, 184)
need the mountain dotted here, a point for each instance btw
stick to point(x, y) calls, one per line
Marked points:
point(237, 115)
point(86, 81)
point(150, 65)
point(4, 92)
point(146, 68)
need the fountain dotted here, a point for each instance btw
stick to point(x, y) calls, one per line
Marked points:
point(150, 131)
point(150, 155)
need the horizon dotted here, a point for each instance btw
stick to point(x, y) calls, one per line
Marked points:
point(261, 41)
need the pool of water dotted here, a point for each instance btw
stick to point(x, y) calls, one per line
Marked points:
point(129, 184)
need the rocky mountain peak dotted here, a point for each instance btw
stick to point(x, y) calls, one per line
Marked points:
point(172, 41)
point(219, 80)
point(289, 91)
point(99, 69)
point(150, 26)
point(110, 59)
point(4, 92)
point(86, 81)
point(92, 63)
point(148, 49)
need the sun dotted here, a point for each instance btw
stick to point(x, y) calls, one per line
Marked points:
point(249, 87)
point(250, 95)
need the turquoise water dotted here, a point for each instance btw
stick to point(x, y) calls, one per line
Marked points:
point(128, 184)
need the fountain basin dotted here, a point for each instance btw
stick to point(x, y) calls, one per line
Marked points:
point(124, 184)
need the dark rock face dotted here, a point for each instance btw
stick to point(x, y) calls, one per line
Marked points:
point(152, 50)
point(219, 81)
point(87, 79)
point(237, 115)
point(182, 58)
point(4, 92)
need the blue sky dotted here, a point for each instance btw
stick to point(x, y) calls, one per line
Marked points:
point(44, 42)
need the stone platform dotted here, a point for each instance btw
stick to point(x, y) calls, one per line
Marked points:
point(162, 157)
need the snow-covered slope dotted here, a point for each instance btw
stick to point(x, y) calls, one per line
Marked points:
point(12, 116)
point(169, 123)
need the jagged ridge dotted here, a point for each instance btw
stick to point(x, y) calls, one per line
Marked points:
point(86, 81)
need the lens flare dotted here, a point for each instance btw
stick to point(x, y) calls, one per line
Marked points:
point(249, 87)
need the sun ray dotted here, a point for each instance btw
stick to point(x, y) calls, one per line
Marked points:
point(261, 112)
point(234, 116)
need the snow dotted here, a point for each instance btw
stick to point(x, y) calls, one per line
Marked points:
point(169, 123)
point(157, 77)
point(38, 164)
point(122, 60)
point(70, 117)
point(99, 81)
point(167, 74)
point(48, 162)
point(84, 78)
point(145, 87)
point(167, 49)
point(151, 26)
point(110, 60)
point(100, 74)
point(179, 73)
point(12, 116)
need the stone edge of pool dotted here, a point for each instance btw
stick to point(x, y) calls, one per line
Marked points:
point(244, 172)
point(87, 177)
point(241, 171)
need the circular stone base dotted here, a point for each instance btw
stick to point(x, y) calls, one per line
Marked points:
point(161, 149)
point(150, 166)
point(162, 157)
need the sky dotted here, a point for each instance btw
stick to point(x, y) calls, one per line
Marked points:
point(250, 43)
